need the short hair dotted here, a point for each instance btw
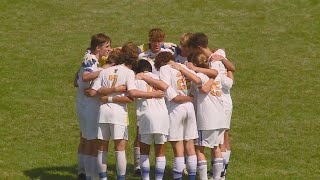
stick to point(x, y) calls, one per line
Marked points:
point(199, 60)
point(184, 39)
point(156, 34)
point(130, 48)
point(113, 57)
point(198, 39)
point(126, 59)
point(162, 59)
point(143, 65)
point(99, 40)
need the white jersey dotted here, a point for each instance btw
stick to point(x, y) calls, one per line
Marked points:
point(210, 107)
point(89, 64)
point(152, 113)
point(150, 56)
point(226, 81)
point(177, 82)
point(115, 113)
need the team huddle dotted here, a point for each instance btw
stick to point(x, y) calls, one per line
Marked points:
point(181, 95)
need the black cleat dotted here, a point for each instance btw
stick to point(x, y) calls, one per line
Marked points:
point(137, 172)
point(82, 176)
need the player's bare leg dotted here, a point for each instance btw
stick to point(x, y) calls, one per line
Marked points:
point(202, 163)
point(136, 151)
point(121, 164)
point(101, 153)
point(191, 158)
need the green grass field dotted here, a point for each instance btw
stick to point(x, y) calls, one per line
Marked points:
point(275, 46)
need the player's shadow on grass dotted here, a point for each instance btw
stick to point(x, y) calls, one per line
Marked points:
point(70, 172)
point(55, 172)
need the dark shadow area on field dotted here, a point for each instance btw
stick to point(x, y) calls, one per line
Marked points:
point(56, 172)
point(70, 172)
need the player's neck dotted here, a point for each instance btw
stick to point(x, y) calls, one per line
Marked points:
point(95, 53)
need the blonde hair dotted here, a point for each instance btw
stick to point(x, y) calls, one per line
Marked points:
point(199, 60)
point(184, 38)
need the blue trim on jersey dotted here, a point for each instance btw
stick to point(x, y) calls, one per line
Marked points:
point(88, 70)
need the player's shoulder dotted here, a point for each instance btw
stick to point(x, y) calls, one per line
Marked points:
point(154, 76)
point(220, 52)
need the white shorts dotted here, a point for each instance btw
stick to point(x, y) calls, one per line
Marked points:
point(150, 138)
point(183, 125)
point(92, 117)
point(108, 131)
point(210, 138)
point(229, 114)
point(81, 119)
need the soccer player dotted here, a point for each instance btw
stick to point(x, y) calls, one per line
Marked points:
point(218, 61)
point(99, 46)
point(113, 115)
point(153, 119)
point(183, 128)
point(133, 50)
point(211, 118)
point(156, 40)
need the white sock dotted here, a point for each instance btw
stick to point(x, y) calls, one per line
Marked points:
point(217, 167)
point(136, 158)
point(192, 166)
point(178, 167)
point(145, 167)
point(121, 164)
point(81, 169)
point(228, 156)
point(202, 168)
point(160, 167)
point(224, 154)
point(102, 163)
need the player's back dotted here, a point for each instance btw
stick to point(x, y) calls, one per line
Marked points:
point(110, 112)
point(210, 106)
point(152, 113)
point(177, 82)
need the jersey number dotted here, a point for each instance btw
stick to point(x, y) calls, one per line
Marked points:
point(114, 79)
point(181, 83)
point(216, 89)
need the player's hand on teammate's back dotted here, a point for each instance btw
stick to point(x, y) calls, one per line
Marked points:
point(104, 99)
point(216, 57)
point(158, 94)
point(121, 88)
point(140, 76)
point(191, 66)
point(176, 66)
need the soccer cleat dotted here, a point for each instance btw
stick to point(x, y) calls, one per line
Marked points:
point(185, 171)
point(82, 176)
point(137, 171)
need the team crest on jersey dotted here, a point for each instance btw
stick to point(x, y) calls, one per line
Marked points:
point(116, 70)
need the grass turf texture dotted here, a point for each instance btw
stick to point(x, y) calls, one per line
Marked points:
point(274, 44)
